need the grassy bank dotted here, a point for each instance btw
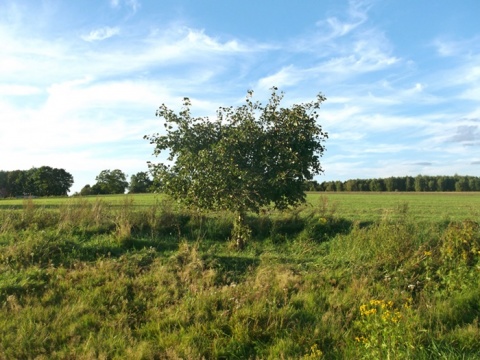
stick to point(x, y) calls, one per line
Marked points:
point(137, 278)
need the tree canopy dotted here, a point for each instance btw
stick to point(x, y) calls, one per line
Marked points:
point(110, 182)
point(42, 181)
point(249, 157)
point(140, 183)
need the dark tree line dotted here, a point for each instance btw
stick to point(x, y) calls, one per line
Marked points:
point(419, 183)
point(47, 181)
point(42, 181)
point(115, 182)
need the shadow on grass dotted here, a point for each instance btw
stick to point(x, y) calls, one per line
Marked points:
point(234, 268)
point(68, 242)
point(281, 229)
point(44, 249)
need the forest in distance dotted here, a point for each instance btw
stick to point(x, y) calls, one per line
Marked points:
point(48, 181)
point(419, 183)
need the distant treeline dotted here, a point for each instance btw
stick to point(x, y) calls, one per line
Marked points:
point(42, 181)
point(406, 183)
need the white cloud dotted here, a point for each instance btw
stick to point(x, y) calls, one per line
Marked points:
point(171, 47)
point(455, 48)
point(473, 74)
point(362, 52)
point(347, 136)
point(287, 76)
point(101, 34)
point(471, 94)
point(445, 48)
point(18, 90)
point(387, 148)
point(336, 69)
point(35, 61)
point(357, 63)
point(134, 5)
point(334, 27)
point(9, 64)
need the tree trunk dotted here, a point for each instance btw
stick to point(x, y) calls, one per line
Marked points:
point(241, 232)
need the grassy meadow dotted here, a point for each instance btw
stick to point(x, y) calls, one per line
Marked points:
point(347, 276)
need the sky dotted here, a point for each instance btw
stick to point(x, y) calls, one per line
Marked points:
point(80, 81)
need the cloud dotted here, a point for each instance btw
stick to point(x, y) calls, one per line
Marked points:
point(362, 60)
point(335, 27)
point(134, 5)
point(347, 136)
point(101, 34)
point(445, 48)
point(170, 47)
point(455, 48)
point(364, 51)
point(35, 61)
point(18, 90)
point(285, 77)
point(422, 163)
point(387, 148)
point(467, 135)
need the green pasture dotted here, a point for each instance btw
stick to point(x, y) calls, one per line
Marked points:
point(52, 202)
point(429, 207)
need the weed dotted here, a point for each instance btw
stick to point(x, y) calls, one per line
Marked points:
point(123, 220)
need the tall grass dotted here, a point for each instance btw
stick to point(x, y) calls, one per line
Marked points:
point(92, 280)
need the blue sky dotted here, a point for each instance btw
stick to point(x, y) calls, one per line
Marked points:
point(80, 80)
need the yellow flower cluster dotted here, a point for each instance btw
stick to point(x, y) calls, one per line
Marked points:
point(384, 308)
point(392, 316)
point(315, 353)
point(365, 311)
point(361, 339)
point(408, 303)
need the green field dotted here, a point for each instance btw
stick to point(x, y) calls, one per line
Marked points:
point(347, 276)
point(429, 207)
point(368, 206)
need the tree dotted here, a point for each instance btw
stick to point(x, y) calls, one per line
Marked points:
point(420, 183)
point(110, 182)
point(140, 183)
point(461, 184)
point(249, 157)
point(47, 181)
point(376, 185)
point(409, 183)
point(339, 185)
point(3, 184)
point(391, 184)
point(474, 184)
point(18, 183)
point(351, 185)
point(86, 190)
point(63, 180)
